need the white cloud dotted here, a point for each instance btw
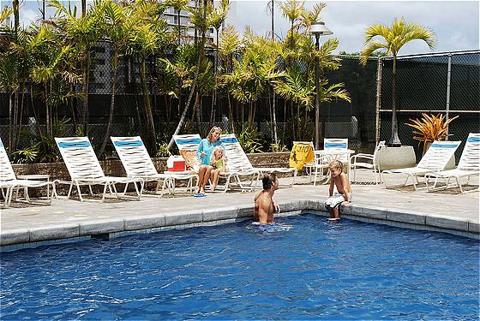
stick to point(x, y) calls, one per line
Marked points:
point(455, 23)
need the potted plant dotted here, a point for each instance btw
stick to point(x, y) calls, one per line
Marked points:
point(430, 128)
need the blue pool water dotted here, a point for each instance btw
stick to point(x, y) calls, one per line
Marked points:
point(308, 269)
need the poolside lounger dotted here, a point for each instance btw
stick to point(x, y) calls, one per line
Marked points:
point(469, 165)
point(9, 182)
point(239, 162)
point(435, 159)
point(137, 163)
point(85, 170)
point(368, 161)
point(188, 145)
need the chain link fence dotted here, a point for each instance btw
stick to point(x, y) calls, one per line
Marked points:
point(444, 83)
point(425, 83)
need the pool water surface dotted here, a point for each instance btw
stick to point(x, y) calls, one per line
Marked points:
point(307, 269)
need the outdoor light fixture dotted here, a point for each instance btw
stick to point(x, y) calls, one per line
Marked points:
point(318, 29)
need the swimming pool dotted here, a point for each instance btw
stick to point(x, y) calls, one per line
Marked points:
point(314, 270)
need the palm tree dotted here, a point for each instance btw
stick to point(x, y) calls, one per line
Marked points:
point(178, 6)
point(82, 33)
point(292, 10)
point(198, 17)
point(228, 45)
point(394, 38)
point(216, 19)
point(116, 25)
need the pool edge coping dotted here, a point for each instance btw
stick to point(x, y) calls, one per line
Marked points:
point(107, 228)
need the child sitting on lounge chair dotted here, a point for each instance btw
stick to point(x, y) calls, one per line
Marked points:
point(217, 161)
point(343, 195)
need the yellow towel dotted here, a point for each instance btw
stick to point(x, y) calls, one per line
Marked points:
point(302, 153)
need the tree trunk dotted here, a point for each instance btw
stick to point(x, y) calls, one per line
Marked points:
point(147, 108)
point(230, 113)
point(47, 110)
point(112, 105)
point(20, 117)
point(394, 139)
point(274, 114)
point(184, 114)
point(86, 79)
point(10, 119)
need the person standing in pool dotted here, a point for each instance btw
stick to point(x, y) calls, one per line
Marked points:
point(343, 195)
point(264, 203)
point(204, 154)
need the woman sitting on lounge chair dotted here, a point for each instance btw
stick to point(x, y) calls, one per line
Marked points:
point(204, 154)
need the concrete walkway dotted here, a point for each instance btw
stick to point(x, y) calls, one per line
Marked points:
point(443, 211)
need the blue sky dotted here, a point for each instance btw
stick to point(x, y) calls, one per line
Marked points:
point(455, 23)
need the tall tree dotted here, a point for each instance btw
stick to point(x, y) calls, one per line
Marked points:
point(82, 33)
point(116, 24)
point(216, 19)
point(392, 39)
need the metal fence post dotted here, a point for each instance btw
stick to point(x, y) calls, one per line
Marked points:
point(449, 75)
point(378, 103)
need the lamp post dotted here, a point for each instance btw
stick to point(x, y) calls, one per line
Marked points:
point(318, 29)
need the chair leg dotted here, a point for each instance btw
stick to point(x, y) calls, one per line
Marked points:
point(70, 190)
point(79, 192)
point(459, 185)
point(105, 191)
point(9, 196)
point(90, 190)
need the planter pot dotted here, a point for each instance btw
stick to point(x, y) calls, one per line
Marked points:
point(396, 157)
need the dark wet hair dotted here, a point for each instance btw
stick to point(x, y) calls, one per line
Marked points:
point(268, 180)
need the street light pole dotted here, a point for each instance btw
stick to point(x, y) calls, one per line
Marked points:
point(318, 29)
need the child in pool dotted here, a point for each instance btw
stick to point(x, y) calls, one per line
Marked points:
point(217, 161)
point(344, 191)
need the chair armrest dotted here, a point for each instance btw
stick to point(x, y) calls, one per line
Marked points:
point(362, 156)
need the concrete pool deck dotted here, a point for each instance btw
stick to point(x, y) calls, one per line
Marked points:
point(443, 211)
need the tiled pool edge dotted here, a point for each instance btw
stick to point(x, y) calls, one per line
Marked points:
point(23, 238)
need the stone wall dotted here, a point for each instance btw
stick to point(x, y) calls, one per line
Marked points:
point(113, 167)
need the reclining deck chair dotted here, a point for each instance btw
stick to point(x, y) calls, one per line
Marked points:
point(469, 165)
point(138, 164)
point(9, 182)
point(84, 168)
point(239, 162)
point(435, 159)
point(321, 163)
point(188, 146)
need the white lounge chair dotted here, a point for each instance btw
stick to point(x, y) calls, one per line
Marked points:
point(368, 161)
point(85, 170)
point(323, 161)
point(188, 146)
point(9, 182)
point(138, 164)
point(239, 161)
point(469, 165)
point(435, 159)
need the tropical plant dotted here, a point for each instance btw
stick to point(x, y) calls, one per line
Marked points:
point(430, 128)
point(394, 38)
point(250, 140)
point(80, 33)
point(216, 19)
point(116, 24)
